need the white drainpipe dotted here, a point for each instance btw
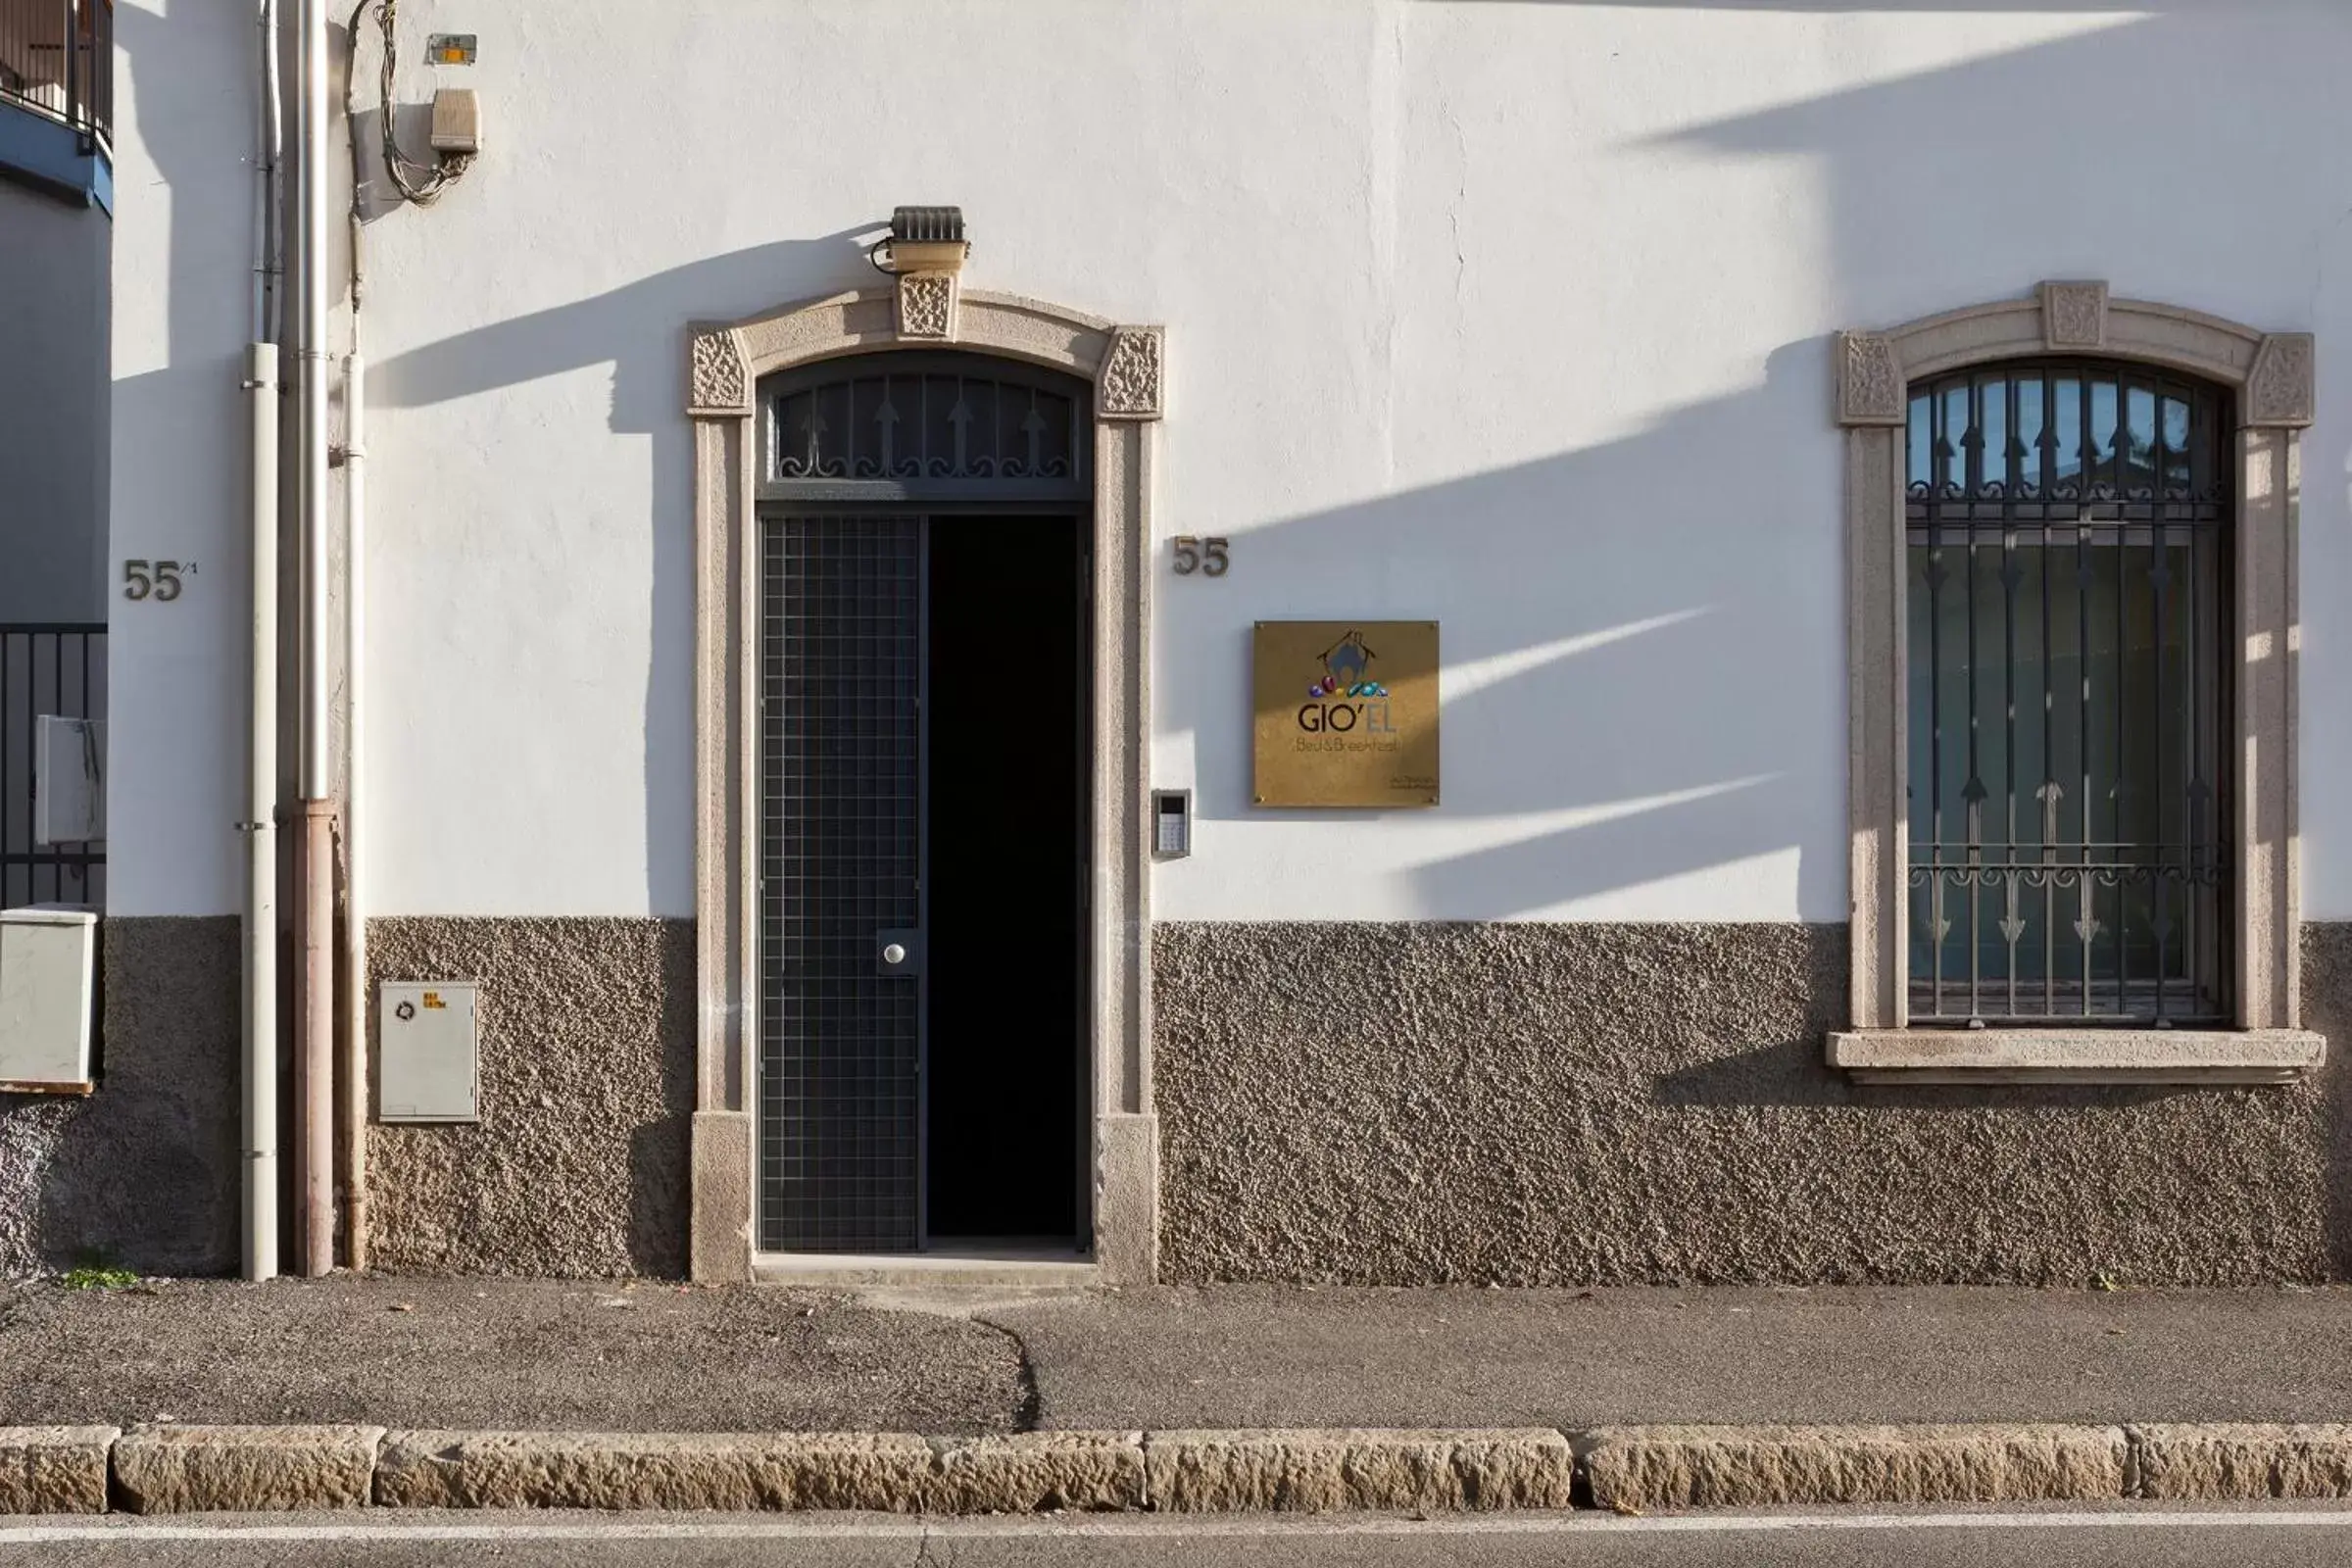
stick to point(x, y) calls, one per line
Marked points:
point(259, 1077)
point(355, 690)
point(355, 912)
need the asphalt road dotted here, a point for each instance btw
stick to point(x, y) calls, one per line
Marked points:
point(2284, 1537)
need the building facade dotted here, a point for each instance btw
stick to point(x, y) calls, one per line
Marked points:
point(1875, 475)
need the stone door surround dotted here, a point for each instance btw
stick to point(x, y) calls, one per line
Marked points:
point(725, 363)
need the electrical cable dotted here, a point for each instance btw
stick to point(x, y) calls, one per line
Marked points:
point(419, 182)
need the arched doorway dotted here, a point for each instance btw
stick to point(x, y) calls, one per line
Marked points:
point(740, 377)
point(923, 764)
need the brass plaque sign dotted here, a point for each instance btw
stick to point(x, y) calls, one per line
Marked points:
point(1347, 713)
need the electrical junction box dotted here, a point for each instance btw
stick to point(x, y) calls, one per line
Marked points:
point(425, 1051)
point(48, 998)
point(457, 121)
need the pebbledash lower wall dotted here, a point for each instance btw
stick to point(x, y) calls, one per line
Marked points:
point(577, 1166)
point(1395, 1103)
point(1540, 1104)
point(144, 1173)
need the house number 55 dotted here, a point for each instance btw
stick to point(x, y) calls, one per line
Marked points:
point(157, 581)
point(1203, 556)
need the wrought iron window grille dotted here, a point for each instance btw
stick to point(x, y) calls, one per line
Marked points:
point(2068, 550)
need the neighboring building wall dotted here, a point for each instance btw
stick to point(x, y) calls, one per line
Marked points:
point(54, 396)
point(143, 1174)
point(146, 1172)
point(1514, 317)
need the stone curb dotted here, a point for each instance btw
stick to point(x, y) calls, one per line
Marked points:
point(1326, 1470)
point(1641, 1468)
point(187, 1469)
point(2217, 1461)
point(54, 1469)
point(881, 1472)
point(199, 1469)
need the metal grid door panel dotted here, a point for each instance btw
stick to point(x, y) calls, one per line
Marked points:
point(840, 776)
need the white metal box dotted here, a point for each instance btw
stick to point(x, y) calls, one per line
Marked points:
point(425, 1051)
point(48, 997)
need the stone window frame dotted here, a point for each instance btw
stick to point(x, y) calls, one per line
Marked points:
point(725, 364)
point(2270, 377)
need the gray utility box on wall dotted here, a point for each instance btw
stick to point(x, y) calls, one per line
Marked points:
point(425, 1051)
point(48, 987)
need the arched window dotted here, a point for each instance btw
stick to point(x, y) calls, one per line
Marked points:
point(2066, 579)
point(2071, 610)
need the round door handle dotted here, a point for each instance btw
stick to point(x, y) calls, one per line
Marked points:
point(894, 954)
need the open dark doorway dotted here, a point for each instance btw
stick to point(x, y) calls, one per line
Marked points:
point(1007, 857)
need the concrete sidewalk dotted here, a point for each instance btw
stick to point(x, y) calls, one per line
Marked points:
point(181, 1397)
point(481, 1355)
point(1284, 1356)
point(473, 1354)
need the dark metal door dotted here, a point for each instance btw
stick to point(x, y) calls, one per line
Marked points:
point(841, 642)
point(858, 458)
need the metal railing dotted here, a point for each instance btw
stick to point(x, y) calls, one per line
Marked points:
point(56, 669)
point(57, 57)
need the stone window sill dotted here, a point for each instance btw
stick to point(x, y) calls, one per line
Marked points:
point(2077, 1055)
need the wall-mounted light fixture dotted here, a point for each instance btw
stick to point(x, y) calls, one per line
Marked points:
point(922, 239)
point(924, 251)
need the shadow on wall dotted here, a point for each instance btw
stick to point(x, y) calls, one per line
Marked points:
point(1981, 137)
point(1689, 1133)
point(640, 329)
point(1623, 666)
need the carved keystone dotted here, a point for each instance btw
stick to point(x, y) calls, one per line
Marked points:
point(2074, 315)
point(927, 305)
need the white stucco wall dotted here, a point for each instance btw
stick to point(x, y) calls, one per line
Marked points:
point(1510, 316)
point(53, 406)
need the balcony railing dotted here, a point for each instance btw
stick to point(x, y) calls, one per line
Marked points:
point(57, 59)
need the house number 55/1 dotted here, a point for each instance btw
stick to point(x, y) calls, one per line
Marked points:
point(1204, 556)
point(157, 581)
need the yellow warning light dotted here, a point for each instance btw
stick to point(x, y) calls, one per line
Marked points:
point(450, 48)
